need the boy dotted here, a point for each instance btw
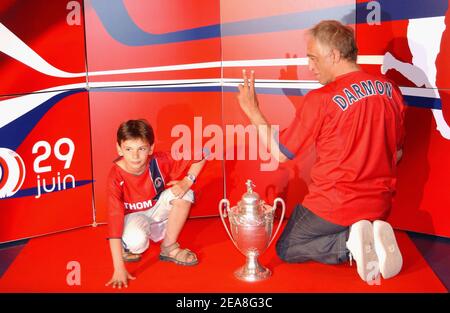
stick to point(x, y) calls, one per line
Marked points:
point(140, 204)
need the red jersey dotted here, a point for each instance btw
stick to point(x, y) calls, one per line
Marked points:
point(355, 124)
point(128, 193)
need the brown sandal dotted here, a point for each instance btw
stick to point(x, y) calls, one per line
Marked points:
point(180, 258)
point(131, 257)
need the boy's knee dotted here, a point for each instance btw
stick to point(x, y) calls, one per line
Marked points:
point(189, 196)
point(168, 197)
point(136, 241)
point(186, 200)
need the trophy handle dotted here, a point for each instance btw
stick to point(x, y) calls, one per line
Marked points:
point(223, 214)
point(281, 218)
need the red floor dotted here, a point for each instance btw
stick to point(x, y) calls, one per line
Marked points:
point(41, 267)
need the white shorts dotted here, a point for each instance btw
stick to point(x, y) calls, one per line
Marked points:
point(140, 227)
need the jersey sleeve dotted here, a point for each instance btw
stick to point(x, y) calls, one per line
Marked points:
point(116, 211)
point(303, 130)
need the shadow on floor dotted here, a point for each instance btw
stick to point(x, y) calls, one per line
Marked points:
point(8, 252)
point(436, 251)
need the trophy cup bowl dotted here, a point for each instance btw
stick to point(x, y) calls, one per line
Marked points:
point(251, 232)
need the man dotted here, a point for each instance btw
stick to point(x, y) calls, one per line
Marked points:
point(355, 124)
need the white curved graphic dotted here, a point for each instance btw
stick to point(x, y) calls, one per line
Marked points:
point(14, 108)
point(424, 40)
point(12, 172)
point(11, 45)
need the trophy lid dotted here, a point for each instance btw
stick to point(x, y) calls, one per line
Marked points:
point(250, 200)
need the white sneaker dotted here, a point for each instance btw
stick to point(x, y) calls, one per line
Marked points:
point(361, 245)
point(387, 250)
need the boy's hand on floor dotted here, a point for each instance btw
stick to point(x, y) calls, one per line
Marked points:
point(179, 187)
point(120, 278)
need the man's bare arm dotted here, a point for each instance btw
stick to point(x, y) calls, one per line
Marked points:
point(249, 104)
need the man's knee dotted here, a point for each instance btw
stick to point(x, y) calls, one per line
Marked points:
point(291, 254)
point(281, 250)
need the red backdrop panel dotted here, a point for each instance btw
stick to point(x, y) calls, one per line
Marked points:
point(267, 38)
point(410, 46)
point(164, 110)
point(286, 180)
point(139, 37)
point(42, 45)
point(143, 43)
point(54, 143)
point(269, 31)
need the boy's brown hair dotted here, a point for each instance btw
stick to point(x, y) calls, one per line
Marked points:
point(134, 129)
point(338, 36)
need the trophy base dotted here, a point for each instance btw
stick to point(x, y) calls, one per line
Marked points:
point(252, 274)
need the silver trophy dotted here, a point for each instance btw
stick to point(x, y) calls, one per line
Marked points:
point(251, 223)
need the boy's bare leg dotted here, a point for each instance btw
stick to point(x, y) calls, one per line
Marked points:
point(177, 217)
